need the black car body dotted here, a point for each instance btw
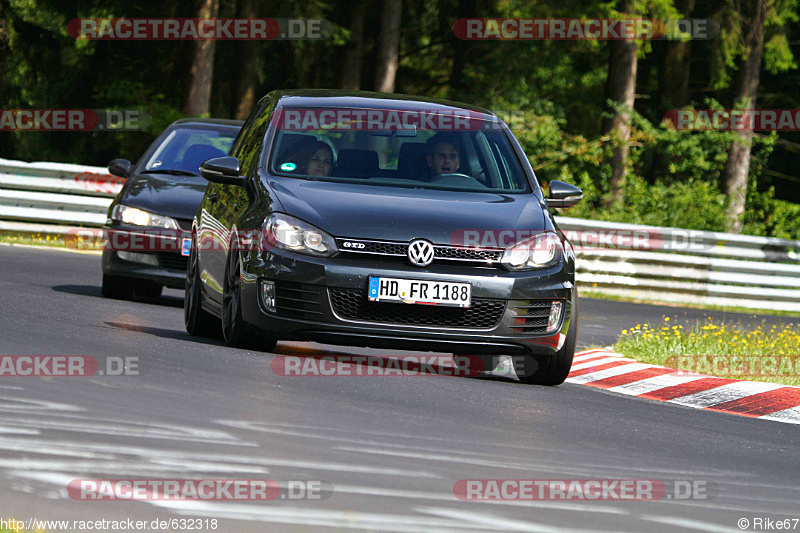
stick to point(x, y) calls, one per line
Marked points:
point(151, 217)
point(279, 255)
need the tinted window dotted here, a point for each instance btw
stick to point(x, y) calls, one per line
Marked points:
point(186, 148)
point(480, 159)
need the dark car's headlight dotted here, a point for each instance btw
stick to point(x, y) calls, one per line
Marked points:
point(139, 217)
point(289, 233)
point(540, 251)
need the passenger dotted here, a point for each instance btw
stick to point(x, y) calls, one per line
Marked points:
point(443, 154)
point(313, 159)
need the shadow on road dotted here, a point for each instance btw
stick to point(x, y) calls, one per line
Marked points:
point(164, 333)
point(94, 290)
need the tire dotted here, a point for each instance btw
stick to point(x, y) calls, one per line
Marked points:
point(147, 289)
point(552, 370)
point(199, 322)
point(117, 287)
point(235, 332)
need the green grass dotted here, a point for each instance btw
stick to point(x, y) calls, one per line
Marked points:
point(48, 240)
point(766, 353)
point(688, 305)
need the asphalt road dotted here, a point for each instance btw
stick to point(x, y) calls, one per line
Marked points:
point(391, 448)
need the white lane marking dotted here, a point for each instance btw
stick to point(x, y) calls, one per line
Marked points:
point(591, 507)
point(609, 372)
point(11, 404)
point(506, 524)
point(121, 466)
point(587, 354)
point(327, 518)
point(130, 430)
point(19, 431)
point(114, 450)
point(688, 523)
point(791, 415)
point(726, 393)
point(598, 362)
point(655, 383)
point(11, 387)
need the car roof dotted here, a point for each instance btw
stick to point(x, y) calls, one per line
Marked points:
point(358, 99)
point(208, 121)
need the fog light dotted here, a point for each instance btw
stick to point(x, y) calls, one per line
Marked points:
point(267, 293)
point(147, 259)
point(555, 316)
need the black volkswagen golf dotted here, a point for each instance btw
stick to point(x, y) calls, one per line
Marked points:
point(380, 220)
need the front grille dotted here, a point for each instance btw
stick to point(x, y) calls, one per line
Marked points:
point(353, 304)
point(531, 316)
point(400, 249)
point(297, 300)
point(172, 260)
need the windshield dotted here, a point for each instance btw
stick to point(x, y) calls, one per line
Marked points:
point(478, 157)
point(186, 148)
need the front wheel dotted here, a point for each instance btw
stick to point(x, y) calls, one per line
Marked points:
point(199, 322)
point(551, 370)
point(235, 332)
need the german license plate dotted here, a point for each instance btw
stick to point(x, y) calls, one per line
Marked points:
point(415, 291)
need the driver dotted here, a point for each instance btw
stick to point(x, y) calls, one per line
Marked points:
point(443, 154)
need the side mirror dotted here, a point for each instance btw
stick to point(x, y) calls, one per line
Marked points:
point(222, 170)
point(120, 167)
point(563, 194)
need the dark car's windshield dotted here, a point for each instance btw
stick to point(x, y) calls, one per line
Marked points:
point(396, 151)
point(187, 147)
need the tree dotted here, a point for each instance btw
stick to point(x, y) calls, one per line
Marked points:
point(198, 99)
point(621, 90)
point(388, 46)
point(252, 65)
point(350, 73)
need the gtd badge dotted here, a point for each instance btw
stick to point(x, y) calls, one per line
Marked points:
point(354, 245)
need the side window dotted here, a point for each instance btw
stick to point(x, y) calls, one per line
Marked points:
point(252, 140)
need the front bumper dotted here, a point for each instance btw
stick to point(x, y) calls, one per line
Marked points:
point(143, 253)
point(311, 292)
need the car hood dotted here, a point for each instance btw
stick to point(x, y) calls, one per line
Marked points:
point(401, 214)
point(173, 196)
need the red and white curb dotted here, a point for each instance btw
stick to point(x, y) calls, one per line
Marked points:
point(605, 369)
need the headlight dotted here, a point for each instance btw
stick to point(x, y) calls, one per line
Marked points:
point(138, 217)
point(540, 251)
point(289, 233)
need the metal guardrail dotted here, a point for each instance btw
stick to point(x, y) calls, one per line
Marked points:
point(56, 193)
point(646, 262)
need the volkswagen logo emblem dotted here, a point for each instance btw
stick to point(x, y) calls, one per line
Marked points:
point(420, 252)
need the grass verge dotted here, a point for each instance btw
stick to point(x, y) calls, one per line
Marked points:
point(766, 353)
point(51, 241)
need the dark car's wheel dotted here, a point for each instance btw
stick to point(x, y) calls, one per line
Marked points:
point(551, 370)
point(235, 331)
point(117, 287)
point(198, 321)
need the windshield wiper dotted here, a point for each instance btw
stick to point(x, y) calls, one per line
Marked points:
point(173, 172)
